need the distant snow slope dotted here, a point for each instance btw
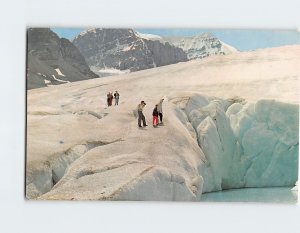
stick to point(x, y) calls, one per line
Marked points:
point(229, 122)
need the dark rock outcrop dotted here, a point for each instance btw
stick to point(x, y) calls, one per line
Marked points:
point(51, 60)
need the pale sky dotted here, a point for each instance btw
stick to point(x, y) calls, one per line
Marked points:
point(243, 40)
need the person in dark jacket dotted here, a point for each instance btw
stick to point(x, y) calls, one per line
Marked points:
point(155, 116)
point(141, 116)
point(108, 98)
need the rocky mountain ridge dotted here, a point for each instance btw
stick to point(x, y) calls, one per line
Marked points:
point(125, 50)
point(102, 52)
point(52, 60)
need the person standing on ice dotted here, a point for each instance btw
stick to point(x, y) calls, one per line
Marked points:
point(117, 96)
point(108, 98)
point(155, 116)
point(141, 116)
point(159, 109)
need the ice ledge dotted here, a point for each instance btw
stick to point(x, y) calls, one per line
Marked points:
point(246, 145)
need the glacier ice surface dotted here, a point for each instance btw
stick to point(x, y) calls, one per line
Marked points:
point(247, 145)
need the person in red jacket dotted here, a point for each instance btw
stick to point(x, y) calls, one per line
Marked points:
point(155, 116)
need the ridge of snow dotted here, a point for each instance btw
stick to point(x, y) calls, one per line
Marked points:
point(148, 36)
point(59, 72)
point(47, 81)
point(113, 71)
point(59, 80)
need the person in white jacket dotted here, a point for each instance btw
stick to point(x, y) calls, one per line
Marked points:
point(117, 97)
point(160, 111)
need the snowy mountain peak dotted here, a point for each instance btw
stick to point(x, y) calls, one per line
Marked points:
point(148, 36)
point(201, 46)
point(125, 49)
point(206, 35)
point(96, 31)
point(90, 30)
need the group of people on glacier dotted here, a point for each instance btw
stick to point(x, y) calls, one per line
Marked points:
point(157, 112)
point(111, 96)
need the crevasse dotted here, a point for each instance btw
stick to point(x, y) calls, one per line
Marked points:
point(245, 144)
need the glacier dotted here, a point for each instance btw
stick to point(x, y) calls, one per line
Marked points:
point(246, 145)
point(230, 122)
point(216, 144)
